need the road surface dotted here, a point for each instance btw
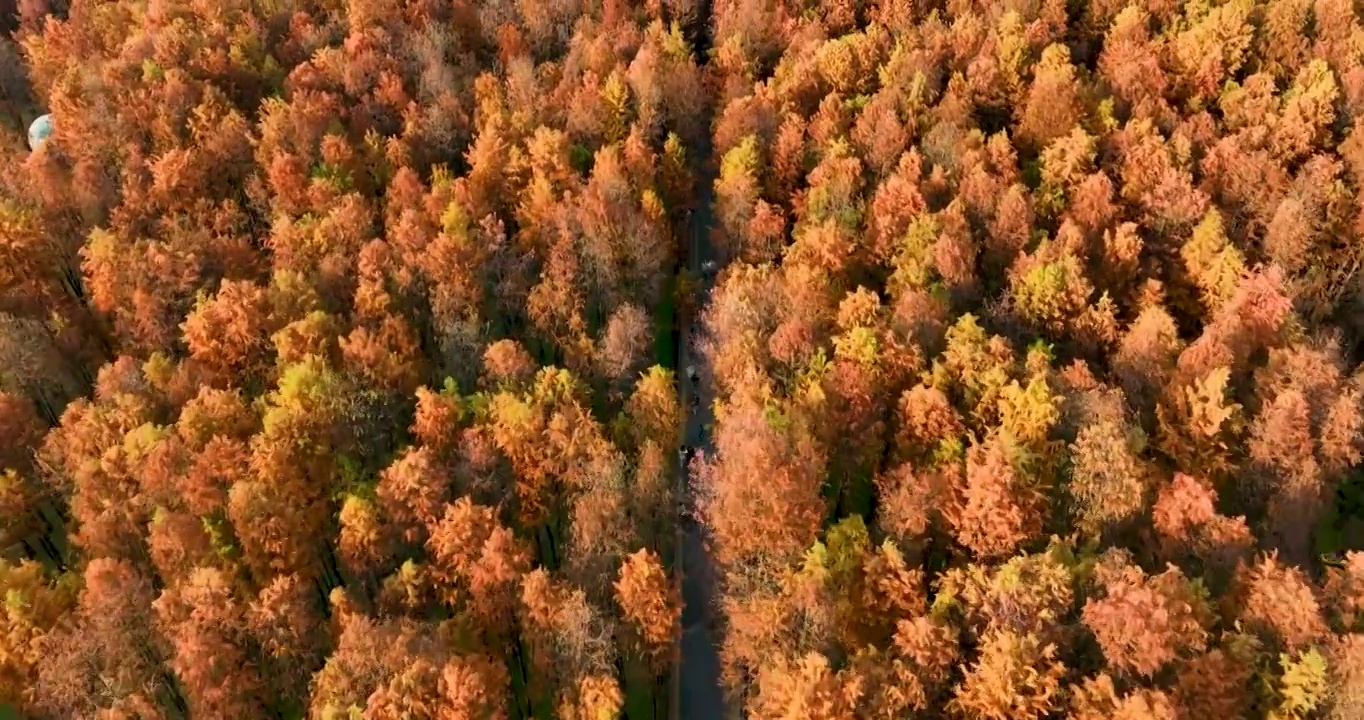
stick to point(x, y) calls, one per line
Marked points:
point(700, 695)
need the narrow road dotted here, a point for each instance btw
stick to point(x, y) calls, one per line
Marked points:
point(700, 696)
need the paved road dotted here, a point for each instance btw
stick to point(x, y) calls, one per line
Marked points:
point(701, 697)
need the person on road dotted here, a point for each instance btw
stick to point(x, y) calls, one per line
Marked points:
point(694, 397)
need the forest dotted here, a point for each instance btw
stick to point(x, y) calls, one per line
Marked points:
point(381, 359)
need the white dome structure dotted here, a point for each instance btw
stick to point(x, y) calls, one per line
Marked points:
point(39, 131)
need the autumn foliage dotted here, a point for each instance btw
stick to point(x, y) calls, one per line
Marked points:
point(1057, 305)
point(335, 339)
point(337, 345)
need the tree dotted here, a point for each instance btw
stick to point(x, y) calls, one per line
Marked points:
point(35, 604)
point(571, 648)
point(1097, 698)
point(1344, 591)
point(625, 345)
point(1015, 677)
point(1054, 101)
point(1179, 617)
point(761, 493)
point(230, 334)
point(1217, 681)
point(110, 652)
point(37, 367)
point(286, 623)
point(464, 687)
point(413, 492)
point(1002, 507)
point(807, 687)
point(924, 650)
point(1278, 605)
point(367, 543)
point(1031, 594)
point(213, 654)
point(479, 564)
point(1109, 482)
point(736, 193)
point(1344, 664)
point(280, 511)
point(1188, 525)
point(649, 603)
